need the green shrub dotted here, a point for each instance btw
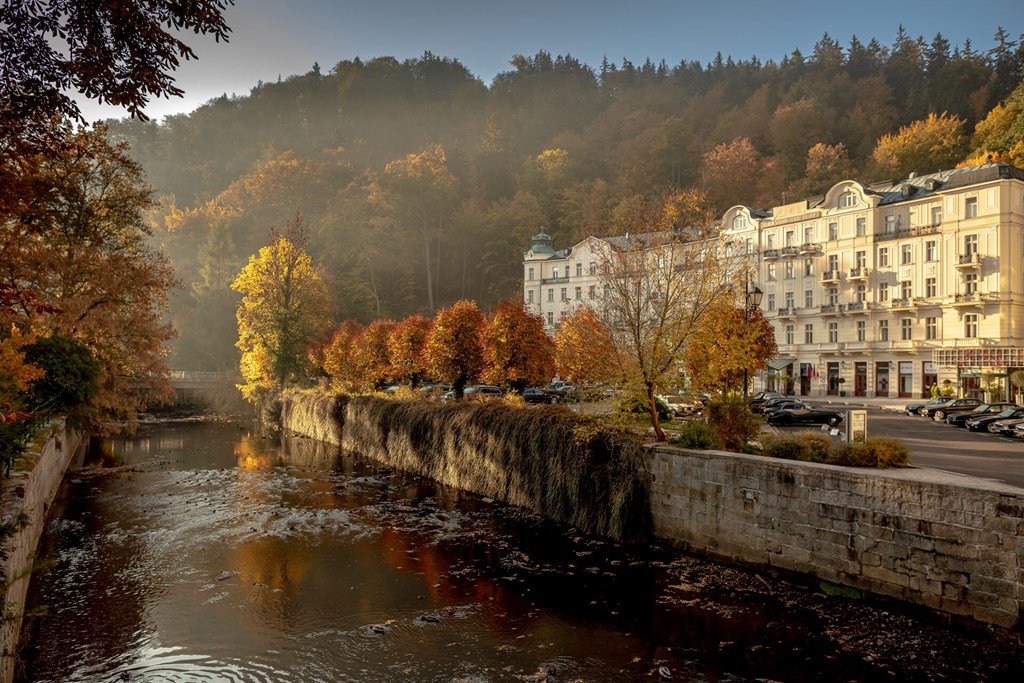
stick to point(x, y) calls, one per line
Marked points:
point(818, 445)
point(787, 448)
point(699, 435)
point(635, 405)
point(880, 452)
point(71, 374)
point(732, 419)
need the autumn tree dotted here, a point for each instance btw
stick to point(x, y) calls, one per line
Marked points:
point(454, 352)
point(725, 344)
point(337, 358)
point(736, 173)
point(826, 166)
point(517, 351)
point(405, 349)
point(585, 349)
point(1001, 132)
point(81, 247)
point(659, 285)
point(370, 358)
point(925, 146)
point(283, 310)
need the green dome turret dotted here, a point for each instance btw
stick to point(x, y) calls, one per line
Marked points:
point(542, 243)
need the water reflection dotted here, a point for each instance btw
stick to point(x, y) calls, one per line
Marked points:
point(215, 554)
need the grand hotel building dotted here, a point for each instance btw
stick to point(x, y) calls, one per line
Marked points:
point(873, 290)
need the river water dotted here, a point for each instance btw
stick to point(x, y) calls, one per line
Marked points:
point(199, 551)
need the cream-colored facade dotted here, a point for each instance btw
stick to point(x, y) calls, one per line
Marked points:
point(880, 290)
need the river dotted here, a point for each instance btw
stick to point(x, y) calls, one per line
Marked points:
point(200, 551)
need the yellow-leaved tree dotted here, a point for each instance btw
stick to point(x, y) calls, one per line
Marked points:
point(282, 313)
point(925, 146)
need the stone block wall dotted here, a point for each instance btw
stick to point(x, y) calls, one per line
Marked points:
point(945, 541)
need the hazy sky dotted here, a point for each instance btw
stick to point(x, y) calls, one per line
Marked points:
point(274, 38)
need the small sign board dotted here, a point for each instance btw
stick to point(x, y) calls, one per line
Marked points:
point(856, 426)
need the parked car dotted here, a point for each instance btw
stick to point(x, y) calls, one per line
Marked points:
point(773, 403)
point(683, 404)
point(1006, 427)
point(1018, 430)
point(943, 408)
point(915, 408)
point(960, 417)
point(781, 404)
point(483, 392)
point(805, 414)
point(990, 423)
point(539, 396)
point(760, 398)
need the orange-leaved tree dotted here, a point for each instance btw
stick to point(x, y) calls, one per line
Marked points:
point(454, 352)
point(724, 344)
point(405, 349)
point(516, 348)
point(370, 355)
point(585, 349)
point(338, 357)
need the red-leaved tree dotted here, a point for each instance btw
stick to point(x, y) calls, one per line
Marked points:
point(516, 349)
point(454, 352)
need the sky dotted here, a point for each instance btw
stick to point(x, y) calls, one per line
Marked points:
point(280, 38)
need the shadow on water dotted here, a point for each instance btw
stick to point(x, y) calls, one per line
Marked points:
point(202, 551)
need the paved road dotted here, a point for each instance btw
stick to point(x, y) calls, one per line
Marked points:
point(944, 447)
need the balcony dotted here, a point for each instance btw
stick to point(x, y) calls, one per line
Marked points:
point(926, 302)
point(901, 304)
point(789, 252)
point(968, 300)
point(787, 312)
point(859, 273)
point(810, 249)
point(974, 342)
point(967, 261)
point(830, 276)
point(929, 229)
point(858, 307)
point(770, 254)
point(856, 345)
point(554, 280)
point(832, 309)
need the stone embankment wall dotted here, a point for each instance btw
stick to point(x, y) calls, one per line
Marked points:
point(29, 490)
point(945, 541)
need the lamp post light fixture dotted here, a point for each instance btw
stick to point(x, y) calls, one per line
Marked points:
point(752, 301)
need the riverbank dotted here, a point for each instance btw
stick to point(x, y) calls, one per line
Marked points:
point(27, 494)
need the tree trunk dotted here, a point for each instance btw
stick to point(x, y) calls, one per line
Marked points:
point(659, 434)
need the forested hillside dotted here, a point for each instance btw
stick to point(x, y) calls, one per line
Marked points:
point(419, 185)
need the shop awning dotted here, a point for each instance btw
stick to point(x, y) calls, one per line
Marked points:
point(780, 362)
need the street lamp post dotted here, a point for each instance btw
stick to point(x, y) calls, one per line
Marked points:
point(751, 302)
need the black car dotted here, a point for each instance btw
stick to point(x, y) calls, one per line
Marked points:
point(781, 404)
point(760, 398)
point(915, 408)
point(772, 403)
point(979, 423)
point(940, 411)
point(538, 396)
point(959, 419)
point(805, 414)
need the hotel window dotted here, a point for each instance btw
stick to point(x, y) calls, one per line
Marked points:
point(789, 300)
point(847, 199)
point(593, 268)
point(770, 272)
point(906, 254)
point(970, 283)
point(971, 325)
point(738, 222)
point(808, 235)
point(789, 238)
point(808, 298)
point(883, 257)
point(970, 245)
point(556, 273)
point(529, 297)
point(906, 329)
point(808, 334)
point(833, 264)
point(883, 291)
point(862, 330)
point(931, 251)
point(579, 269)
point(551, 295)
point(833, 231)
point(930, 288)
point(906, 289)
point(931, 328)
point(607, 290)
point(789, 333)
point(551, 318)
point(789, 270)
point(971, 207)
point(936, 215)
point(862, 293)
point(529, 273)
point(890, 225)
point(770, 241)
point(860, 259)
point(833, 295)
point(808, 266)
point(750, 245)
point(833, 333)
point(563, 296)
point(579, 294)
point(771, 301)
point(862, 227)
point(592, 292)
point(883, 330)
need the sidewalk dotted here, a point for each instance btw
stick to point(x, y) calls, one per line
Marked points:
point(890, 403)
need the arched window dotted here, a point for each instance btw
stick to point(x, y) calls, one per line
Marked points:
point(739, 221)
point(847, 199)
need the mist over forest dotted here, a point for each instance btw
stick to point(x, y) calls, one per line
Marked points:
point(419, 185)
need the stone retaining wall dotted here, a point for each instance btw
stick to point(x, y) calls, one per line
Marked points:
point(945, 541)
point(31, 490)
